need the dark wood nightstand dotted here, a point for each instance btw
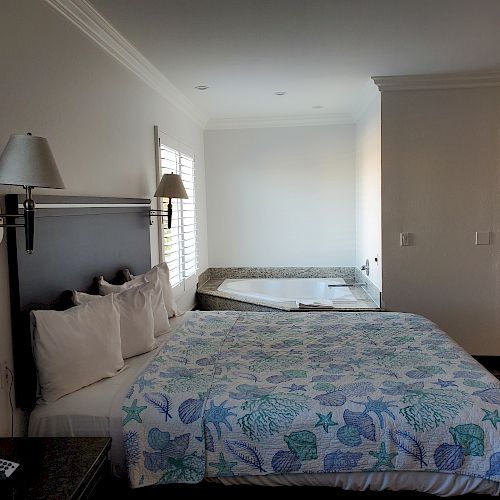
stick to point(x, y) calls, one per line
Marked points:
point(55, 468)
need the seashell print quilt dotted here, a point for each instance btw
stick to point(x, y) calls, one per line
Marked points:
point(250, 393)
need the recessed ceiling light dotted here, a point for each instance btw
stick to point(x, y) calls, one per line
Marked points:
point(201, 87)
point(281, 92)
point(317, 107)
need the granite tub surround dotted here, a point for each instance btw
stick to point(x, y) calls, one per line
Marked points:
point(371, 290)
point(347, 273)
point(203, 277)
point(211, 299)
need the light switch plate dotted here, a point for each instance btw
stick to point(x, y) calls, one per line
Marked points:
point(404, 239)
point(482, 237)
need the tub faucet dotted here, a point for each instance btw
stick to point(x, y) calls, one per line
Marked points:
point(366, 267)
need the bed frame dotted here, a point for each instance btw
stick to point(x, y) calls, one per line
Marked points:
point(76, 239)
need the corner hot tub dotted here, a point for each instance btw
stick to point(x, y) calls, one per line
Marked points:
point(309, 292)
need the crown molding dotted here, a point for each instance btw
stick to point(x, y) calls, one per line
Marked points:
point(96, 27)
point(362, 110)
point(366, 101)
point(279, 121)
point(434, 82)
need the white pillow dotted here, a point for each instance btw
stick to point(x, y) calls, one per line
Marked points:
point(106, 288)
point(160, 315)
point(77, 347)
point(80, 298)
point(164, 276)
point(136, 318)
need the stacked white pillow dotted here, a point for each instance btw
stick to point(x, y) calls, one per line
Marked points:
point(77, 347)
point(136, 317)
point(164, 277)
point(161, 323)
point(89, 342)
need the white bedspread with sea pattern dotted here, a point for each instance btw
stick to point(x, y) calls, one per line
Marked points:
point(249, 393)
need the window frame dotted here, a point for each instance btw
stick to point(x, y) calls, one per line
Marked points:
point(162, 138)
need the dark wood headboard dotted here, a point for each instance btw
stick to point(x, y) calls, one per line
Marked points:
point(76, 239)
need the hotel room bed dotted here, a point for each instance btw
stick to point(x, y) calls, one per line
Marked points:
point(356, 400)
point(95, 410)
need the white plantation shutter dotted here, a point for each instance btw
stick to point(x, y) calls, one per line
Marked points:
point(178, 244)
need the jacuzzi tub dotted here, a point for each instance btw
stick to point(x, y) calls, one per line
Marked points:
point(308, 291)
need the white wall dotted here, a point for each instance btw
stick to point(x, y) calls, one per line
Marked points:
point(281, 196)
point(97, 116)
point(441, 182)
point(368, 197)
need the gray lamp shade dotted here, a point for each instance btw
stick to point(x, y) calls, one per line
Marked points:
point(171, 186)
point(28, 161)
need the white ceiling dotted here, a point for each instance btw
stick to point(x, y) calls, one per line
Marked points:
point(321, 52)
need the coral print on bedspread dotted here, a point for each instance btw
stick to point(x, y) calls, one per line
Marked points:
point(239, 393)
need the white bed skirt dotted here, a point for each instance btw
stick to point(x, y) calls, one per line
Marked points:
point(436, 483)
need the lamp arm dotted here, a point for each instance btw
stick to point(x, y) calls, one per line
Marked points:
point(156, 213)
point(9, 225)
point(6, 217)
point(17, 216)
point(160, 213)
point(29, 220)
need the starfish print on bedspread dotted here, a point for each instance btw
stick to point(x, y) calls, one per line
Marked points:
point(133, 412)
point(445, 383)
point(296, 387)
point(223, 467)
point(218, 415)
point(384, 459)
point(325, 421)
point(492, 416)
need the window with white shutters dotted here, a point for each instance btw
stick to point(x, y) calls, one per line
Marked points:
point(178, 244)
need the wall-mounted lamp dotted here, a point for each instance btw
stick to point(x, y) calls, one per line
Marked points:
point(28, 161)
point(170, 186)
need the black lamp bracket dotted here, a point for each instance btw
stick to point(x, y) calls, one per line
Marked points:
point(29, 219)
point(6, 216)
point(156, 213)
point(162, 213)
